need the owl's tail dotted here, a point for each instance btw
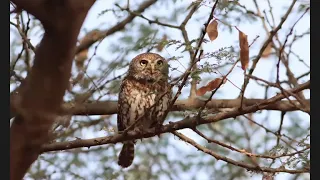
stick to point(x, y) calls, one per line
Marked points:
point(126, 155)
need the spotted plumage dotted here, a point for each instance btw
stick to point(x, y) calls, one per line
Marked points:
point(144, 95)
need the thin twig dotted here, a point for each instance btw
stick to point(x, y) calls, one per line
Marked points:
point(233, 162)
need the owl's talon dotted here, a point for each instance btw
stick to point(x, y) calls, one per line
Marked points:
point(139, 130)
point(123, 132)
point(158, 127)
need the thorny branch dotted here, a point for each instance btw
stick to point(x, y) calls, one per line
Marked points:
point(269, 40)
point(193, 60)
point(305, 107)
point(237, 163)
point(119, 26)
point(244, 151)
point(274, 133)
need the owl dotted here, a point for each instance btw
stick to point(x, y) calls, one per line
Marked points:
point(144, 97)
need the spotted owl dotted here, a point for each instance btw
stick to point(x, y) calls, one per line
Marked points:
point(143, 99)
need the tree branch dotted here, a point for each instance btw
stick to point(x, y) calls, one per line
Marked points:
point(99, 108)
point(47, 80)
point(188, 122)
point(237, 163)
point(118, 27)
point(243, 151)
point(266, 43)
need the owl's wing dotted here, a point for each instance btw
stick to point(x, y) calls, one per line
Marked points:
point(122, 111)
point(120, 120)
point(161, 109)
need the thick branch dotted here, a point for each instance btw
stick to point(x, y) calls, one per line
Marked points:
point(188, 122)
point(101, 34)
point(41, 93)
point(34, 7)
point(99, 108)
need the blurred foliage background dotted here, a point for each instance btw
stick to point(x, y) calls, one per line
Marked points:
point(99, 69)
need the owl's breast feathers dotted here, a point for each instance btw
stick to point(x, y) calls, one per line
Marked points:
point(146, 101)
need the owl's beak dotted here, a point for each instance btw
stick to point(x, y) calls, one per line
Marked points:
point(152, 68)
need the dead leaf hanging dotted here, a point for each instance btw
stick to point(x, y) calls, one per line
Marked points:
point(266, 53)
point(210, 86)
point(82, 56)
point(244, 50)
point(80, 59)
point(212, 30)
point(162, 43)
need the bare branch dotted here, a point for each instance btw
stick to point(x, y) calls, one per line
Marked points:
point(244, 151)
point(121, 25)
point(99, 107)
point(150, 21)
point(237, 163)
point(272, 34)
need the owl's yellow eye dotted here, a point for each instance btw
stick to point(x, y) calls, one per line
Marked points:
point(143, 62)
point(160, 62)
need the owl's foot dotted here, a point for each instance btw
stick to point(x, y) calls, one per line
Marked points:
point(122, 132)
point(158, 128)
point(138, 130)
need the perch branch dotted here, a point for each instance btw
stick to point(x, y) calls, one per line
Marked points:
point(188, 122)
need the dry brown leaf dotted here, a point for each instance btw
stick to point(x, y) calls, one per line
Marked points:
point(83, 55)
point(267, 51)
point(212, 30)
point(244, 58)
point(244, 50)
point(242, 39)
point(210, 86)
point(214, 84)
point(161, 44)
point(201, 91)
point(92, 35)
point(80, 58)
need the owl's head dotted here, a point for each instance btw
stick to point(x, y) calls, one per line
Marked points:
point(149, 67)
